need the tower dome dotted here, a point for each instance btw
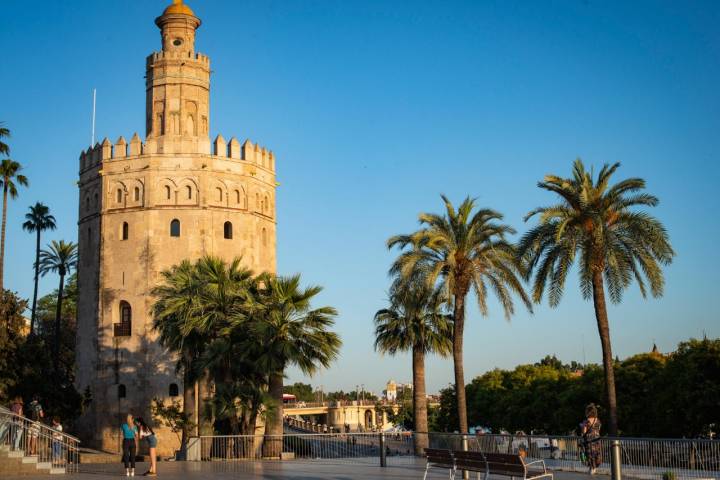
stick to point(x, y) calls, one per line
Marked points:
point(178, 7)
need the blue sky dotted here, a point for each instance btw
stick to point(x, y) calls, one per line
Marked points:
point(374, 108)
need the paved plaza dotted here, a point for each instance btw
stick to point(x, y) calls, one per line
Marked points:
point(276, 470)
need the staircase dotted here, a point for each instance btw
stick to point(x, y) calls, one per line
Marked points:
point(54, 452)
point(16, 463)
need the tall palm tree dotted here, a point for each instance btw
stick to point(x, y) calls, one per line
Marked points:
point(4, 133)
point(195, 307)
point(60, 258)
point(37, 220)
point(463, 250)
point(415, 321)
point(290, 332)
point(10, 179)
point(595, 223)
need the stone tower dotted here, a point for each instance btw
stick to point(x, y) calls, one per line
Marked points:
point(147, 205)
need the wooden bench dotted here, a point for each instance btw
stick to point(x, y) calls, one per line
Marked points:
point(438, 458)
point(510, 465)
point(471, 462)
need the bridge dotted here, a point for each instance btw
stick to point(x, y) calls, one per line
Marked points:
point(355, 416)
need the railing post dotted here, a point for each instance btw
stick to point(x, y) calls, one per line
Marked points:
point(466, 474)
point(615, 460)
point(383, 457)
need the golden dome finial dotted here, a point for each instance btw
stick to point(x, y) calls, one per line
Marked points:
point(178, 7)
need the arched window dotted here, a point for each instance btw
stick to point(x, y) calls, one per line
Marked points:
point(96, 199)
point(189, 192)
point(174, 391)
point(237, 196)
point(167, 192)
point(227, 230)
point(122, 391)
point(124, 328)
point(125, 231)
point(175, 228)
point(264, 237)
point(119, 195)
point(87, 202)
point(219, 194)
point(137, 194)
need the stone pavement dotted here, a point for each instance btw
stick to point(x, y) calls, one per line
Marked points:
point(276, 470)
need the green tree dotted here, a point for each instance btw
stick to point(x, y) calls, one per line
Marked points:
point(177, 301)
point(303, 391)
point(691, 389)
point(60, 258)
point(463, 250)
point(11, 341)
point(290, 332)
point(415, 321)
point(10, 179)
point(4, 133)
point(37, 220)
point(614, 244)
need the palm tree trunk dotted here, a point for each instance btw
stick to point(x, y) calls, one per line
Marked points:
point(2, 236)
point(604, 330)
point(274, 427)
point(58, 314)
point(35, 290)
point(420, 411)
point(188, 399)
point(459, 325)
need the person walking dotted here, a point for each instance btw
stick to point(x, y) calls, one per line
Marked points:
point(590, 432)
point(129, 445)
point(147, 433)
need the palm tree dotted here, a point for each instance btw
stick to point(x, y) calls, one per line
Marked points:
point(10, 179)
point(37, 220)
point(177, 301)
point(414, 321)
point(289, 332)
point(4, 133)
point(462, 250)
point(60, 258)
point(613, 243)
point(195, 307)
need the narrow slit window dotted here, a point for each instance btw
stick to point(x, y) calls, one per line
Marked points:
point(227, 230)
point(137, 194)
point(119, 195)
point(189, 192)
point(125, 231)
point(167, 192)
point(122, 391)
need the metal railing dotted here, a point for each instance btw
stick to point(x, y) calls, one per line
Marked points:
point(641, 458)
point(362, 448)
point(644, 458)
point(50, 449)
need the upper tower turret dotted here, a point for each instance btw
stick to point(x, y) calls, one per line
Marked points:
point(178, 86)
point(177, 27)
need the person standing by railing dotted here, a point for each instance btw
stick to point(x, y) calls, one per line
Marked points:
point(17, 408)
point(590, 432)
point(129, 445)
point(36, 415)
point(57, 447)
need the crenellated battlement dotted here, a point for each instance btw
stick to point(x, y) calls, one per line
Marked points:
point(106, 150)
point(177, 55)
